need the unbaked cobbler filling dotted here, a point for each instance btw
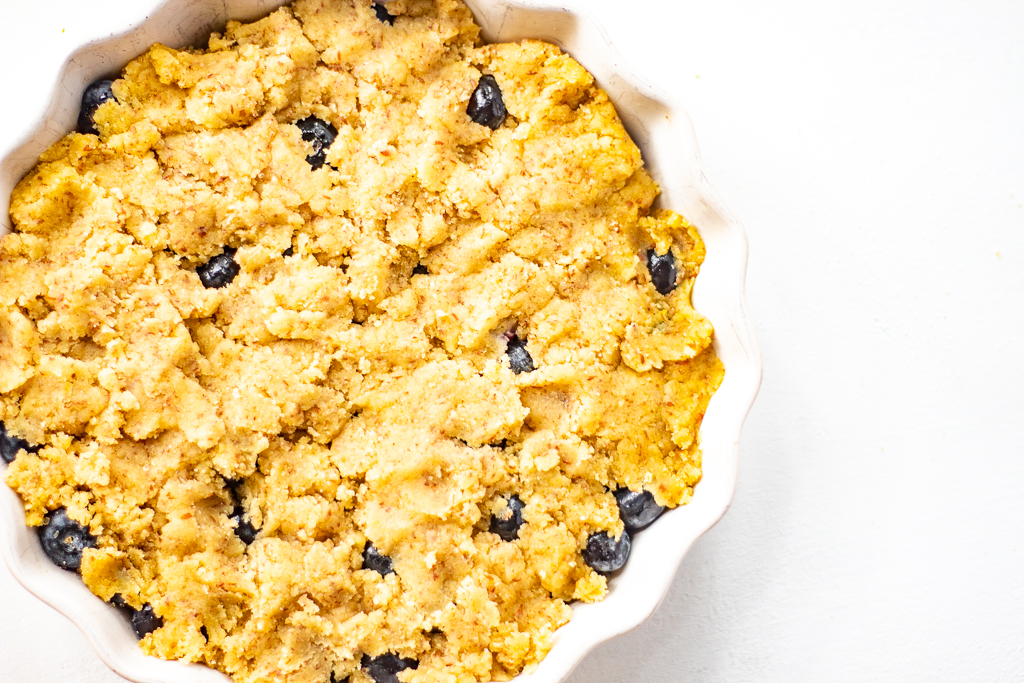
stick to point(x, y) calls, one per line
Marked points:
point(349, 347)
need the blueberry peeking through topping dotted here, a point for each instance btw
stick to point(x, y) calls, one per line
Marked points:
point(604, 554)
point(10, 445)
point(638, 510)
point(234, 487)
point(377, 561)
point(219, 271)
point(507, 524)
point(244, 529)
point(420, 269)
point(143, 621)
point(385, 668)
point(383, 15)
point(486, 105)
point(95, 94)
point(518, 357)
point(663, 270)
point(321, 134)
point(64, 540)
point(290, 251)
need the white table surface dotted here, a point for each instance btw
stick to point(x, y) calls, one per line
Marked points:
point(875, 152)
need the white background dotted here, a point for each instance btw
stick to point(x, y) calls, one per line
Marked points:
point(875, 152)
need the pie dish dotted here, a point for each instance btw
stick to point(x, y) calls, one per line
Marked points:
point(646, 117)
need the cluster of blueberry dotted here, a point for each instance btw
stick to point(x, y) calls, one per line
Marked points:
point(603, 553)
point(638, 510)
point(486, 107)
point(64, 540)
point(384, 668)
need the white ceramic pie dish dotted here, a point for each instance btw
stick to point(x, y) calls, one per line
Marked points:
point(664, 134)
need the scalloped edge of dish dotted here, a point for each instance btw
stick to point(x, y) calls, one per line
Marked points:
point(662, 130)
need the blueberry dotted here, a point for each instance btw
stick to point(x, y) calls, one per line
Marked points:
point(486, 106)
point(518, 357)
point(143, 621)
point(375, 560)
point(420, 269)
point(243, 528)
point(321, 134)
point(384, 669)
point(234, 487)
point(383, 15)
point(64, 540)
point(94, 95)
point(605, 554)
point(290, 251)
point(507, 524)
point(245, 531)
point(637, 509)
point(10, 445)
point(663, 270)
point(220, 270)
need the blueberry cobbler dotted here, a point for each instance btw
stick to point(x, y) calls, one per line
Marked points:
point(349, 347)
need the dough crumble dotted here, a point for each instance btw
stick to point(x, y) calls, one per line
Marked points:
point(353, 393)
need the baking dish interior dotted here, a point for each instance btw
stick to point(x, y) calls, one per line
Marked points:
point(665, 136)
